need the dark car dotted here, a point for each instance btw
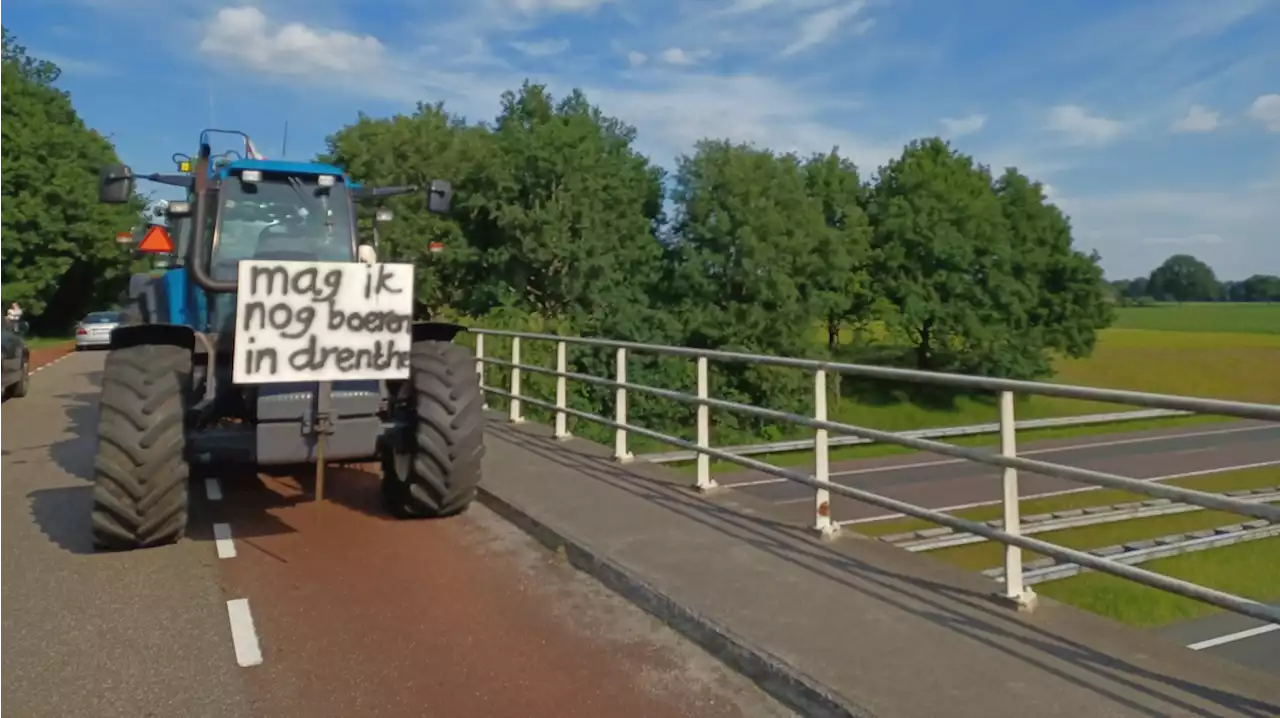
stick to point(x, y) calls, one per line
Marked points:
point(17, 360)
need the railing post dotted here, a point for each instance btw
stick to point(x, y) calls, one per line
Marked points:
point(822, 522)
point(515, 415)
point(705, 482)
point(620, 452)
point(562, 390)
point(1014, 591)
point(484, 396)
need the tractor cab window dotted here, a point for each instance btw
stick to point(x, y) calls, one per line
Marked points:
point(287, 217)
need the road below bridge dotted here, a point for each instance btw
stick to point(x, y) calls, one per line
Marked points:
point(275, 606)
point(941, 482)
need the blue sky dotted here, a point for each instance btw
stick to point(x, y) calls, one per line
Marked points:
point(1154, 123)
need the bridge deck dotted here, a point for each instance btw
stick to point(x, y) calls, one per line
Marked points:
point(855, 624)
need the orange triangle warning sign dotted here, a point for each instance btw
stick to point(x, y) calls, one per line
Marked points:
point(156, 240)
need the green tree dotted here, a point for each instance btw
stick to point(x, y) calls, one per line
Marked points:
point(837, 280)
point(1183, 278)
point(1066, 302)
point(60, 255)
point(943, 260)
point(565, 220)
point(748, 243)
point(415, 149)
point(1260, 288)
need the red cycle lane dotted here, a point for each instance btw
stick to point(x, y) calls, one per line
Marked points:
point(360, 614)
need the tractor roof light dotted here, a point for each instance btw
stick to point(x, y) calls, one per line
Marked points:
point(326, 180)
point(251, 176)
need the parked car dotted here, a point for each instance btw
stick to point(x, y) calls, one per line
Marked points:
point(17, 360)
point(95, 329)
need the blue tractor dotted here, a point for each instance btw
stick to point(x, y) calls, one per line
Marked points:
point(169, 405)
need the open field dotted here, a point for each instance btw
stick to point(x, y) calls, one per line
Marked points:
point(1187, 350)
point(1253, 318)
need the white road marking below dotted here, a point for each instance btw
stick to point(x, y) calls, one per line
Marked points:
point(1033, 452)
point(222, 541)
point(1065, 492)
point(1233, 637)
point(243, 635)
point(213, 489)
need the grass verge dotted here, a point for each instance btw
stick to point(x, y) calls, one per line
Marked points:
point(46, 342)
point(1246, 569)
point(1216, 483)
point(990, 554)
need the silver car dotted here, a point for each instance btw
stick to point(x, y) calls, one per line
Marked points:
point(95, 329)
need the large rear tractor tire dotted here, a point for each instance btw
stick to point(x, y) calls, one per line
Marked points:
point(140, 496)
point(433, 469)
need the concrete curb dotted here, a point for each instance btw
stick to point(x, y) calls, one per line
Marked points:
point(773, 674)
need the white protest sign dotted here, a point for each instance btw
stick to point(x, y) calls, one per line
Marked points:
point(322, 321)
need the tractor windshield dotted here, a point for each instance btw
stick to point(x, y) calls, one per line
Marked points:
point(287, 217)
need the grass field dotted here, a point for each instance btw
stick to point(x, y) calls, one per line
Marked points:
point(1254, 318)
point(1223, 350)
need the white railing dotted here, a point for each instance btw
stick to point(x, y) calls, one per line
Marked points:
point(938, 432)
point(1010, 535)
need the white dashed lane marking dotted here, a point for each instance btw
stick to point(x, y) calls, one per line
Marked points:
point(243, 635)
point(213, 489)
point(222, 541)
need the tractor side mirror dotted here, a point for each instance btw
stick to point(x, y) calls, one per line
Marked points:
point(439, 197)
point(115, 184)
point(383, 215)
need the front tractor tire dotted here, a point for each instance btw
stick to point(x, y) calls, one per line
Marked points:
point(140, 496)
point(432, 469)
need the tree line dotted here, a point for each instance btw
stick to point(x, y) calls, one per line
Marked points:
point(1184, 278)
point(560, 224)
point(933, 261)
point(60, 260)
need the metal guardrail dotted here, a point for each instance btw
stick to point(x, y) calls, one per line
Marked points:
point(1014, 587)
point(946, 432)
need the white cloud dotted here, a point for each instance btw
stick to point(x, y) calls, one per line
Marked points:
point(1266, 109)
point(636, 59)
point(530, 7)
point(1082, 128)
point(242, 35)
point(678, 56)
point(818, 27)
point(542, 48)
point(1198, 119)
point(958, 127)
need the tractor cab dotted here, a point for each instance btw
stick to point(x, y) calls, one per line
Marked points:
point(179, 364)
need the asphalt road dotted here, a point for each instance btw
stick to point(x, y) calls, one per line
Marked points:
point(936, 481)
point(1239, 638)
point(336, 610)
